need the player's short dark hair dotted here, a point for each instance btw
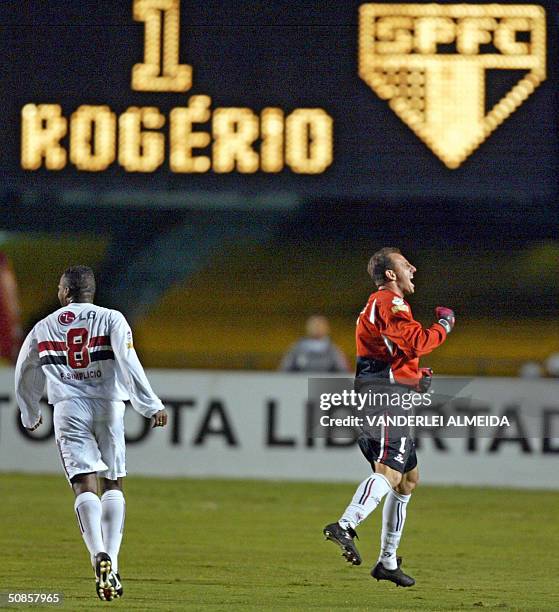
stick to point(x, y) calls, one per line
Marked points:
point(80, 281)
point(379, 263)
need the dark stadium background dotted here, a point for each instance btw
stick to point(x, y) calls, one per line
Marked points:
point(187, 266)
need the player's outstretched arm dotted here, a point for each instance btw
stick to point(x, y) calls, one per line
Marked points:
point(29, 382)
point(142, 396)
point(399, 326)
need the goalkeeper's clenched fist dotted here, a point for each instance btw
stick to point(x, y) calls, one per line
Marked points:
point(445, 316)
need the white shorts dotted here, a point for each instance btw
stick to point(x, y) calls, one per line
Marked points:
point(90, 437)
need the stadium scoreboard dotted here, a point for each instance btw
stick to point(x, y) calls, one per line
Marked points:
point(184, 95)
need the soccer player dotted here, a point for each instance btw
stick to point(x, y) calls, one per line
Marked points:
point(389, 345)
point(86, 356)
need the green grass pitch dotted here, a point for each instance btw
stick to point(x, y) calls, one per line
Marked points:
point(250, 545)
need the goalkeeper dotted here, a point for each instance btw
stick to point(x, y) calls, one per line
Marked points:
point(389, 345)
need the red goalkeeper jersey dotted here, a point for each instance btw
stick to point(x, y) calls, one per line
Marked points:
point(390, 341)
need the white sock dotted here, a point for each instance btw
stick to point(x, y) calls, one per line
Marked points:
point(112, 523)
point(88, 510)
point(393, 519)
point(367, 497)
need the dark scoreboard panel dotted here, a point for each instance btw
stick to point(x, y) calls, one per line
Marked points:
point(322, 99)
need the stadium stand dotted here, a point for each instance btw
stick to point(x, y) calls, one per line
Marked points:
point(256, 321)
point(245, 307)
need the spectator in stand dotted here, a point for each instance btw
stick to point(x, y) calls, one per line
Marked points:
point(315, 352)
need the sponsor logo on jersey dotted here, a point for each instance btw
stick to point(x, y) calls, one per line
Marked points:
point(431, 62)
point(90, 314)
point(399, 305)
point(66, 317)
point(399, 458)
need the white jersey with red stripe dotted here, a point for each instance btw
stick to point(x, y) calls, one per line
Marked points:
point(82, 351)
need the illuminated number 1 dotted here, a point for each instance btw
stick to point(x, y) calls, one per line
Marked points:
point(78, 354)
point(402, 448)
point(161, 18)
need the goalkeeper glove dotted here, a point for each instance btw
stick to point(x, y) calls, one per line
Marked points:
point(426, 377)
point(445, 316)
